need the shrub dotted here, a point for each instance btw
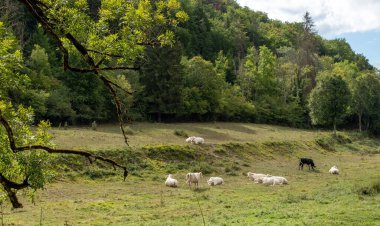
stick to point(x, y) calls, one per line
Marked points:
point(326, 142)
point(203, 167)
point(371, 189)
point(94, 126)
point(180, 133)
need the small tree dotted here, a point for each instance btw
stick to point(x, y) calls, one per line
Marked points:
point(329, 100)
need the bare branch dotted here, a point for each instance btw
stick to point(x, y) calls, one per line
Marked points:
point(118, 105)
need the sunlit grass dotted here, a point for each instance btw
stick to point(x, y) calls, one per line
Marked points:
point(232, 149)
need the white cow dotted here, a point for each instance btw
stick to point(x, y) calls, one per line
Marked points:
point(334, 170)
point(256, 177)
point(190, 139)
point(171, 182)
point(198, 140)
point(193, 178)
point(273, 180)
point(215, 181)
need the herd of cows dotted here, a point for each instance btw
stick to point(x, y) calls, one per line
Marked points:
point(259, 178)
point(266, 179)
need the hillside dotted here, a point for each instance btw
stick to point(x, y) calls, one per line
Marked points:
point(108, 136)
point(84, 194)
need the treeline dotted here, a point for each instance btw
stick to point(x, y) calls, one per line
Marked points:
point(229, 63)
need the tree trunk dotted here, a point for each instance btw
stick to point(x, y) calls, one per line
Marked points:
point(159, 116)
point(13, 198)
point(360, 122)
point(334, 128)
point(10, 188)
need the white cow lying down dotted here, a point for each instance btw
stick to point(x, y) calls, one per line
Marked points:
point(193, 178)
point(190, 139)
point(171, 182)
point(195, 140)
point(198, 140)
point(256, 176)
point(334, 170)
point(273, 180)
point(215, 181)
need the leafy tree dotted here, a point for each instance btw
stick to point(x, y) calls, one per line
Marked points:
point(329, 100)
point(338, 49)
point(11, 78)
point(234, 106)
point(114, 40)
point(202, 89)
point(366, 99)
point(162, 79)
point(248, 74)
point(266, 81)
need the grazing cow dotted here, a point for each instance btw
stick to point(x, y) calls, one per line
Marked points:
point(334, 170)
point(273, 180)
point(171, 182)
point(256, 177)
point(306, 161)
point(215, 181)
point(193, 178)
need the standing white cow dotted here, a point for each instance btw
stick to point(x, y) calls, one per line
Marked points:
point(171, 182)
point(215, 181)
point(334, 170)
point(193, 178)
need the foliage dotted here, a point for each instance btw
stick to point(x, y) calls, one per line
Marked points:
point(329, 100)
point(31, 164)
point(11, 63)
point(202, 88)
point(162, 79)
point(366, 101)
point(180, 133)
point(371, 189)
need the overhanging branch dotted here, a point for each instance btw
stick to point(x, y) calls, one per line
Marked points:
point(88, 155)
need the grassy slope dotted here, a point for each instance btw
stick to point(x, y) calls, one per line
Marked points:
point(310, 198)
point(109, 136)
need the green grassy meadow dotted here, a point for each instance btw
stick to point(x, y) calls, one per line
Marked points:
point(96, 195)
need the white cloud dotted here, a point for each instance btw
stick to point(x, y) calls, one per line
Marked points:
point(331, 17)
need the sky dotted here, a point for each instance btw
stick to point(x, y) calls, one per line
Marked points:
point(358, 21)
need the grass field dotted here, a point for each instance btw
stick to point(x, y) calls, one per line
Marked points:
point(109, 136)
point(231, 150)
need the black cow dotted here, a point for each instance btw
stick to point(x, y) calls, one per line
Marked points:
point(306, 161)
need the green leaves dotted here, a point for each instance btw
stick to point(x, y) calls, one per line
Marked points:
point(329, 100)
point(31, 164)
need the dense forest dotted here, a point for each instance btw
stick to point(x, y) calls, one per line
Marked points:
point(228, 63)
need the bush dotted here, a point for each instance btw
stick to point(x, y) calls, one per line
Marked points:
point(94, 125)
point(326, 142)
point(371, 189)
point(180, 133)
point(203, 167)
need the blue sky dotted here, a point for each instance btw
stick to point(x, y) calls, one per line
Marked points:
point(358, 21)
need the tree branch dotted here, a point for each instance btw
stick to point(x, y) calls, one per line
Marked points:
point(10, 186)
